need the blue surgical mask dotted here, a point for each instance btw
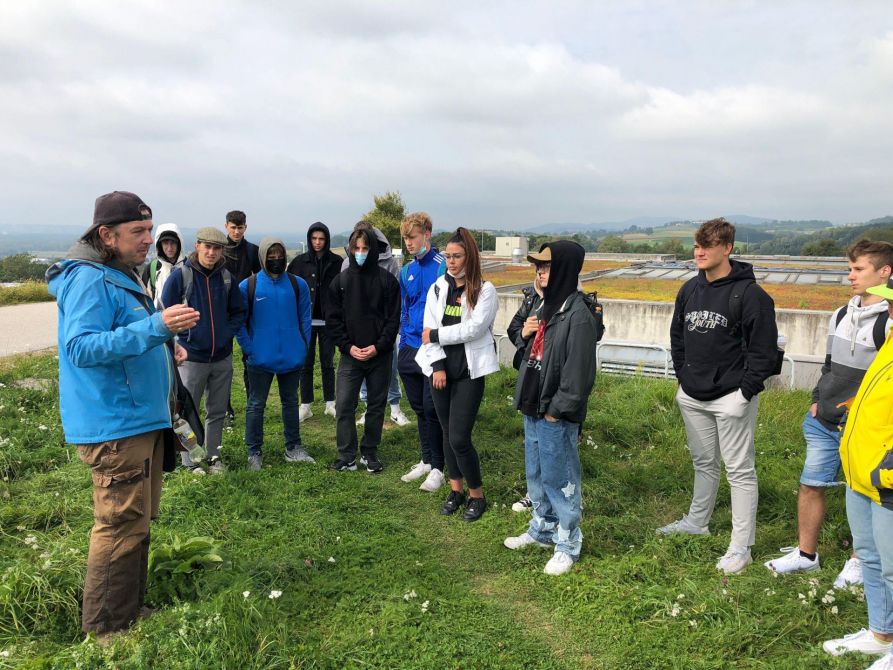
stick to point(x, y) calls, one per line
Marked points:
point(421, 252)
point(361, 257)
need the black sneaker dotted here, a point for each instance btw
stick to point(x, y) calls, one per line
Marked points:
point(372, 463)
point(341, 465)
point(474, 510)
point(453, 503)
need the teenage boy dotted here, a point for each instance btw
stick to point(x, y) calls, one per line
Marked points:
point(363, 317)
point(855, 333)
point(205, 284)
point(415, 279)
point(318, 267)
point(867, 459)
point(724, 345)
point(274, 339)
point(386, 261)
point(170, 253)
point(552, 392)
point(242, 261)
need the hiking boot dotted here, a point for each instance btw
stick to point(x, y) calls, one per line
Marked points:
point(863, 642)
point(372, 463)
point(433, 481)
point(792, 561)
point(734, 560)
point(197, 470)
point(304, 412)
point(523, 505)
point(475, 509)
point(683, 526)
point(523, 540)
point(559, 564)
point(398, 417)
point(216, 467)
point(851, 575)
point(341, 465)
point(330, 408)
point(453, 502)
point(417, 471)
point(298, 455)
point(255, 462)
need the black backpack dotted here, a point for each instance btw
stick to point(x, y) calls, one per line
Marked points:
point(879, 332)
point(252, 289)
point(591, 300)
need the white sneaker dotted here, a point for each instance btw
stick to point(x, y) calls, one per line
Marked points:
point(330, 408)
point(417, 471)
point(434, 481)
point(792, 561)
point(525, 540)
point(851, 575)
point(863, 642)
point(883, 663)
point(217, 467)
point(362, 420)
point(304, 412)
point(683, 526)
point(734, 560)
point(398, 417)
point(559, 564)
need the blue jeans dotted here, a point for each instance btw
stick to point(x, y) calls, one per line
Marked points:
point(258, 390)
point(872, 528)
point(553, 483)
point(822, 453)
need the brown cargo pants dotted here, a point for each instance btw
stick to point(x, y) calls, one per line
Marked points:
point(126, 492)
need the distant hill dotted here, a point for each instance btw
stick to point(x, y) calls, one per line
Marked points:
point(639, 221)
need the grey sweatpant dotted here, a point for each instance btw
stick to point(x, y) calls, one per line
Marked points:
point(211, 381)
point(723, 429)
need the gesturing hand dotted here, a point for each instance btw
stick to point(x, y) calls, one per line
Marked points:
point(178, 318)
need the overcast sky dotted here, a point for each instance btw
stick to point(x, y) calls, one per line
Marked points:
point(486, 114)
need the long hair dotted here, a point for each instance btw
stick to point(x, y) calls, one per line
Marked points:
point(92, 238)
point(473, 279)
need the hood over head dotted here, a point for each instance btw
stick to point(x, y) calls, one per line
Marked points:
point(371, 264)
point(384, 247)
point(264, 248)
point(319, 226)
point(169, 231)
point(564, 274)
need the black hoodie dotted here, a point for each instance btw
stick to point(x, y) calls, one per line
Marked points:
point(709, 355)
point(318, 272)
point(364, 306)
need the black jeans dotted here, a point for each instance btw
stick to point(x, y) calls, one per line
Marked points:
point(457, 408)
point(418, 392)
point(326, 363)
point(351, 373)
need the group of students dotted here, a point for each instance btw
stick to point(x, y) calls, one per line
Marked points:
point(116, 346)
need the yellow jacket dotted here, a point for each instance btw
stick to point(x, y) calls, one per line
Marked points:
point(866, 449)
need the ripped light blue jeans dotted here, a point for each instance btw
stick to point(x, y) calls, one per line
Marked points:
point(553, 469)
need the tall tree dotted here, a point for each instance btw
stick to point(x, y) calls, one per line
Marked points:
point(387, 214)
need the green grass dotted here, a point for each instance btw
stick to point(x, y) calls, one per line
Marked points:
point(373, 577)
point(29, 291)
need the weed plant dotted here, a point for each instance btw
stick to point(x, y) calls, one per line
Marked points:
point(351, 570)
point(29, 291)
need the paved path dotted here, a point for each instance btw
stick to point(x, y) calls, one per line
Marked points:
point(30, 327)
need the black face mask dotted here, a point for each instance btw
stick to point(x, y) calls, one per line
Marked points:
point(276, 266)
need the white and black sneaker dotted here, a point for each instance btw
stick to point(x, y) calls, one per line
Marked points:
point(341, 465)
point(372, 463)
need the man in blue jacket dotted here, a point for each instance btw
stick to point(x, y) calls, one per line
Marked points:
point(416, 278)
point(115, 384)
point(207, 285)
point(274, 339)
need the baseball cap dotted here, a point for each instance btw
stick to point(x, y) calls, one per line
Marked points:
point(544, 255)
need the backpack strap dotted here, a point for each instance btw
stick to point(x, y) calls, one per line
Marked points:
point(880, 330)
point(297, 289)
point(841, 312)
point(187, 284)
point(153, 274)
point(227, 280)
point(736, 298)
point(252, 289)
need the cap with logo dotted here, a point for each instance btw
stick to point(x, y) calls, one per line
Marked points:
point(211, 235)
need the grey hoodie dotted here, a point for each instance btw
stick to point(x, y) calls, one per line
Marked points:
point(386, 258)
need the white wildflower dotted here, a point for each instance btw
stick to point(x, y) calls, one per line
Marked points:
point(425, 606)
point(245, 594)
point(42, 427)
point(680, 596)
point(834, 610)
point(675, 611)
point(274, 594)
point(331, 559)
point(692, 623)
point(409, 595)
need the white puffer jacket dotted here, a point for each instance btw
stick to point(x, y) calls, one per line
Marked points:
point(475, 331)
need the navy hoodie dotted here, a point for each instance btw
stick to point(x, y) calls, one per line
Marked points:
point(222, 313)
point(709, 356)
